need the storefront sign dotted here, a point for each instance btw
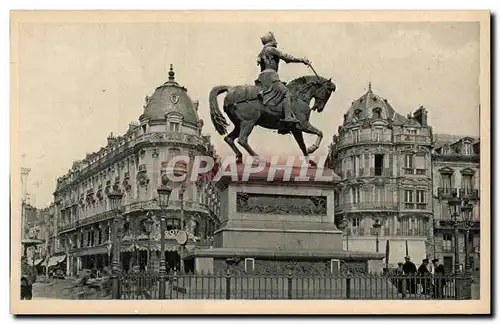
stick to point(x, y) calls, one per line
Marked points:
point(173, 234)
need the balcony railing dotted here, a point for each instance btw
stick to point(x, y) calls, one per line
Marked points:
point(409, 138)
point(468, 193)
point(368, 206)
point(413, 171)
point(446, 193)
point(417, 206)
point(66, 226)
point(364, 139)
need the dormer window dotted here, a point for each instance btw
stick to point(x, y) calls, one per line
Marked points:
point(411, 131)
point(174, 126)
point(467, 148)
point(377, 113)
point(357, 113)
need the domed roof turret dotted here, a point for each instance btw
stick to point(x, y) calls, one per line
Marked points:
point(168, 98)
point(370, 106)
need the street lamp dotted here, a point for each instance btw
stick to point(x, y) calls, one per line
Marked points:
point(376, 232)
point(467, 218)
point(115, 198)
point(454, 204)
point(164, 192)
point(148, 227)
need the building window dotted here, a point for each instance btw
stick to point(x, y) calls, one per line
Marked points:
point(411, 131)
point(467, 148)
point(379, 164)
point(419, 160)
point(446, 181)
point(174, 126)
point(355, 135)
point(173, 224)
point(377, 113)
point(447, 242)
point(377, 134)
point(409, 161)
point(355, 165)
point(379, 194)
point(249, 264)
point(467, 182)
point(409, 199)
point(476, 243)
point(356, 195)
point(356, 224)
point(334, 266)
point(421, 204)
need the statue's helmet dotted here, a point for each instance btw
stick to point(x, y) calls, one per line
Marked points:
point(268, 38)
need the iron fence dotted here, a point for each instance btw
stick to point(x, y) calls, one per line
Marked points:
point(330, 286)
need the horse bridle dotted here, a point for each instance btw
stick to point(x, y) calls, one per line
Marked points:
point(319, 79)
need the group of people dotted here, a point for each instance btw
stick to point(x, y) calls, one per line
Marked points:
point(428, 278)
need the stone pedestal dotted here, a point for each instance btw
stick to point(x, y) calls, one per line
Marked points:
point(276, 218)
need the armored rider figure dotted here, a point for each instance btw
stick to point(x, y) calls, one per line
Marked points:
point(274, 91)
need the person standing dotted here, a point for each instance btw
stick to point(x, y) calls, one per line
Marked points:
point(399, 277)
point(439, 280)
point(423, 272)
point(410, 269)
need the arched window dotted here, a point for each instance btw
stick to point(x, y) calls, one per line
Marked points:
point(377, 113)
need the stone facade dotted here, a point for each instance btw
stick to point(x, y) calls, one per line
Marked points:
point(134, 163)
point(384, 161)
point(456, 162)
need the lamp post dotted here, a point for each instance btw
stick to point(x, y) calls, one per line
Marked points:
point(181, 196)
point(376, 232)
point(115, 198)
point(454, 204)
point(164, 192)
point(467, 215)
point(148, 227)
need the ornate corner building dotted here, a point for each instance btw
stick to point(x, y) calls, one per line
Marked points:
point(384, 161)
point(456, 161)
point(135, 162)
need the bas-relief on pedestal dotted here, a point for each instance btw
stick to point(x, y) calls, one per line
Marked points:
point(281, 225)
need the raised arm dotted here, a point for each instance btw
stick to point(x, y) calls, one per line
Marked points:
point(287, 57)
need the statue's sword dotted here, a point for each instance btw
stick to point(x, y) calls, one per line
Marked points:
point(319, 79)
point(311, 67)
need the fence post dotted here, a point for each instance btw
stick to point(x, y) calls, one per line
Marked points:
point(228, 285)
point(289, 284)
point(348, 287)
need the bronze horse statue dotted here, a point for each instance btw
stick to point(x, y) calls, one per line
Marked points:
point(244, 107)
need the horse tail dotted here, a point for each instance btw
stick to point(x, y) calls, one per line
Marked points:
point(218, 119)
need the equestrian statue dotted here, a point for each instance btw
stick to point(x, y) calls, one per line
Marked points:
point(271, 103)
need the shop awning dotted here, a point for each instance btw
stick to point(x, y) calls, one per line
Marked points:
point(37, 261)
point(55, 260)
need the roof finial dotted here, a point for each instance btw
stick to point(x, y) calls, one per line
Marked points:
point(369, 86)
point(171, 73)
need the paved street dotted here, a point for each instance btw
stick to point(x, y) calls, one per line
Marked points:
point(54, 290)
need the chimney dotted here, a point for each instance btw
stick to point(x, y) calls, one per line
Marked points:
point(420, 115)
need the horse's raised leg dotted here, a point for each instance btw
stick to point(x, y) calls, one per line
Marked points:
point(310, 129)
point(299, 137)
point(229, 139)
point(246, 129)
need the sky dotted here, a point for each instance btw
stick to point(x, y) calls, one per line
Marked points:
point(78, 82)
